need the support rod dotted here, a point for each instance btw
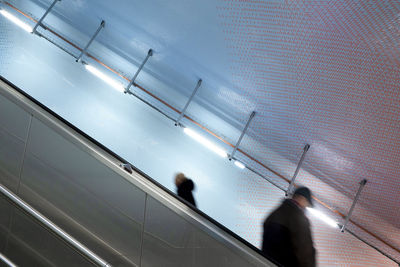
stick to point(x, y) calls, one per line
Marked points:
point(188, 102)
point(360, 188)
point(241, 136)
point(289, 191)
point(132, 82)
point(102, 24)
point(52, 227)
point(44, 15)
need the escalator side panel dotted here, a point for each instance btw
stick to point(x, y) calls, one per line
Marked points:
point(170, 240)
point(11, 156)
point(14, 125)
point(14, 119)
point(41, 183)
point(35, 243)
point(85, 171)
point(129, 220)
point(5, 217)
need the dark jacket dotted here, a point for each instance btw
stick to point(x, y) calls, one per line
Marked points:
point(185, 191)
point(287, 236)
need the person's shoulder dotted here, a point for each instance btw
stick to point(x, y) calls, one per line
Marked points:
point(188, 184)
point(296, 213)
point(288, 204)
point(280, 211)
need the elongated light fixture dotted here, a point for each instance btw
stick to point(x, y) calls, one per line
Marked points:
point(16, 20)
point(239, 164)
point(323, 217)
point(116, 85)
point(205, 142)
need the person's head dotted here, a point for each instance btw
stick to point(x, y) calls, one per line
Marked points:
point(302, 195)
point(179, 179)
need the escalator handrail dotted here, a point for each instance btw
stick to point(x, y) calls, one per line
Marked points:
point(49, 225)
point(7, 261)
point(259, 255)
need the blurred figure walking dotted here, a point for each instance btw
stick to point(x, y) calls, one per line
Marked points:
point(287, 235)
point(185, 186)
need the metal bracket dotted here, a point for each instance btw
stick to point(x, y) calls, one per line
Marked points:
point(127, 167)
point(188, 102)
point(102, 24)
point(241, 136)
point(44, 15)
point(360, 188)
point(132, 82)
point(289, 191)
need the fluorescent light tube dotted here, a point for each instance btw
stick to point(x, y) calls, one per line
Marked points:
point(323, 217)
point(16, 20)
point(205, 142)
point(239, 164)
point(116, 85)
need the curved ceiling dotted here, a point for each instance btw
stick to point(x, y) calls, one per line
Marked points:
point(325, 73)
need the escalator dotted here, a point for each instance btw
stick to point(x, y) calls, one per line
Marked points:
point(80, 186)
point(30, 239)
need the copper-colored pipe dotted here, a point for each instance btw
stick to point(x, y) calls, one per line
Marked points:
point(21, 12)
point(203, 127)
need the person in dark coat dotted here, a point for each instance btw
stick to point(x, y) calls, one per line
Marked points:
point(287, 235)
point(185, 186)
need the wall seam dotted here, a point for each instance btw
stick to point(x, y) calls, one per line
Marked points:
point(24, 154)
point(19, 181)
point(143, 225)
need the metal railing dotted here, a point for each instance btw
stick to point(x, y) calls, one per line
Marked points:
point(5, 260)
point(83, 250)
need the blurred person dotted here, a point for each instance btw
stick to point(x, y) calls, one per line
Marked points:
point(185, 186)
point(287, 235)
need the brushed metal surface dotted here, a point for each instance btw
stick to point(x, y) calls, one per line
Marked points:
point(30, 242)
point(82, 189)
point(13, 119)
point(11, 156)
point(170, 240)
point(5, 211)
point(85, 171)
point(90, 212)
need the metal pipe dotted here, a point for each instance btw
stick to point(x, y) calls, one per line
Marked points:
point(360, 188)
point(102, 24)
point(44, 15)
point(54, 228)
point(188, 102)
point(289, 191)
point(7, 261)
point(197, 123)
point(149, 54)
point(241, 136)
